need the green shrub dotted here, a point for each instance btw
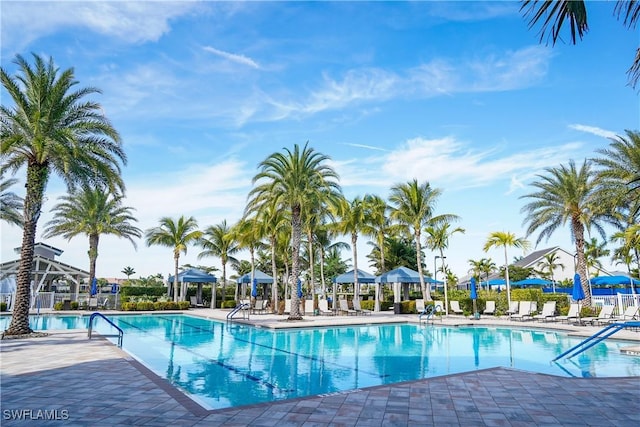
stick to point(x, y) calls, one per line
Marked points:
point(3, 306)
point(407, 307)
point(57, 306)
point(159, 305)
point(129, 306)
point(184, 305)
point(232, 304)
point(144, 305)
point(75, 305)
point(138, 291)
point(367, 305)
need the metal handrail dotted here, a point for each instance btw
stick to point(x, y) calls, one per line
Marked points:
point(120, 331)
point(237, 308)
point(596, 338)
point(429, 311)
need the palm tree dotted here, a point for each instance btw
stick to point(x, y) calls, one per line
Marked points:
point(128, 271)
point(92, 212)
point(248, 234)
point(291, 179)
point(414, 205)
point(505, 239)
point(52, 129)
point(177, 235)
point(438, 240)
point(550, 264)
point(619, 175)
point(476, 268)
point(554, 14)
point(217, 241)
point(10, 203)
point(351, 218)
point(378, 222)
point(565, 194)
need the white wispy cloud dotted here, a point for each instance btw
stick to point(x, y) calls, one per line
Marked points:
point(368, 147)
point(593, 130)
point(132, 22)
point(239, 59)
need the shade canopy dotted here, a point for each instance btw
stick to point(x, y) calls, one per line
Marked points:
point(195, 276)
point(495, 282)
point(258, 275)
point(399, 275)
point(614, 280)
point(363, 277)
point(534, 281)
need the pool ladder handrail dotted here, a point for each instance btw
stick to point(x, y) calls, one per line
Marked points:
point(429, 311)
point(596, 338)
point(242, 306)
point(120, 334)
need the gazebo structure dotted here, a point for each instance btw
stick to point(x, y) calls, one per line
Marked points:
point(349, 277)
point(260, 277)
point(199, 277)
point(48, 277)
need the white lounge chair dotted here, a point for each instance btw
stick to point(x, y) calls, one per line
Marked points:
point(194, 302)
point(455, 307)
point(420, 308)
point(524, 311)
point(344, 308)
point(323, 308)
point(630, 313)
point(548, 312)
point(358, 308)
point(438, 307)
point(287, 306)
point(605, 314)
point(490, 308)
point(574, 314)
point(513, 307)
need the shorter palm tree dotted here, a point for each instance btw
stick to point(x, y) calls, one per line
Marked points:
point(217, 240)
point(10, 204)
point(550, 263)
point(92, 212)
point(177, 235)
point(128, 271)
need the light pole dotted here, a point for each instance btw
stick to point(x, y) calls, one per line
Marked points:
point(435, 279)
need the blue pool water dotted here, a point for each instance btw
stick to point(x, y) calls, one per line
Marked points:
point(224, 365)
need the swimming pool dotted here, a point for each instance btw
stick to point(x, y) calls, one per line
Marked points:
point(223, 365)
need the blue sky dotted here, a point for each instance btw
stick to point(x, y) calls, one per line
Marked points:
point(457, 93)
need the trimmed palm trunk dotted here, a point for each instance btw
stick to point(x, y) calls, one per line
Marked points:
point(578, 233)
point(426, 290)
point(296, 233)
point(36, 181)
point(356, 283)
point(93, 256)
point(176, 258)
point(274, 273)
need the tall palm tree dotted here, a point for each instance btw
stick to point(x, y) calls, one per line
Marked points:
point(565, 194)
point(175, 234)
point(248, 234)
point(438, 240)
point(619, 176)
point(413, 207)
point(487, 266)
point(292, 179)
point(92, 212)
point(505, 240)
point(378, 225)
point(52, 129)
point(351, 217)
point(552, 15)
point(10, 203)
point(476, 268)
point(217, 241)
point(550, 264)
point(128, 271)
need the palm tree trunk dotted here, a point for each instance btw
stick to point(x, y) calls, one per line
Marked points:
point(322, 279)
point(224, 282)
point(176, 257)
point(506, 277)
point(446, 284)
point(381, 246)
point(356, 284)
point(93, 256)
point(578, 233)
point(426, 292)
point(311, 262)
point(296, 232)
point(274, 273)
point(36, 181)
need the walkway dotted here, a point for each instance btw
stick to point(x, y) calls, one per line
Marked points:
point(89, 383)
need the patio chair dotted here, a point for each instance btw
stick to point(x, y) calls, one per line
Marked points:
point(548, 312)
point(513, 307)
point(358, 308)
point(524, 311)
point(323, 308)
point(438, 307)
point(630, 313)
point(92, 303)
point(574, 313)
point(194, 302)
point(344, 307)
point(105, 304)
point(420, 308)
point(455, 307)
point(287, 306)
point(490, 308)
point(603, 316)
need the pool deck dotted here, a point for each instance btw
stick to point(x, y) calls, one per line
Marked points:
point(92, 382)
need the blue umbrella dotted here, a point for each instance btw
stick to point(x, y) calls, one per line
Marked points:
point(299, 288)
point(254, 288)
point(94, 286)
point(577, 292)
point(474, 297)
